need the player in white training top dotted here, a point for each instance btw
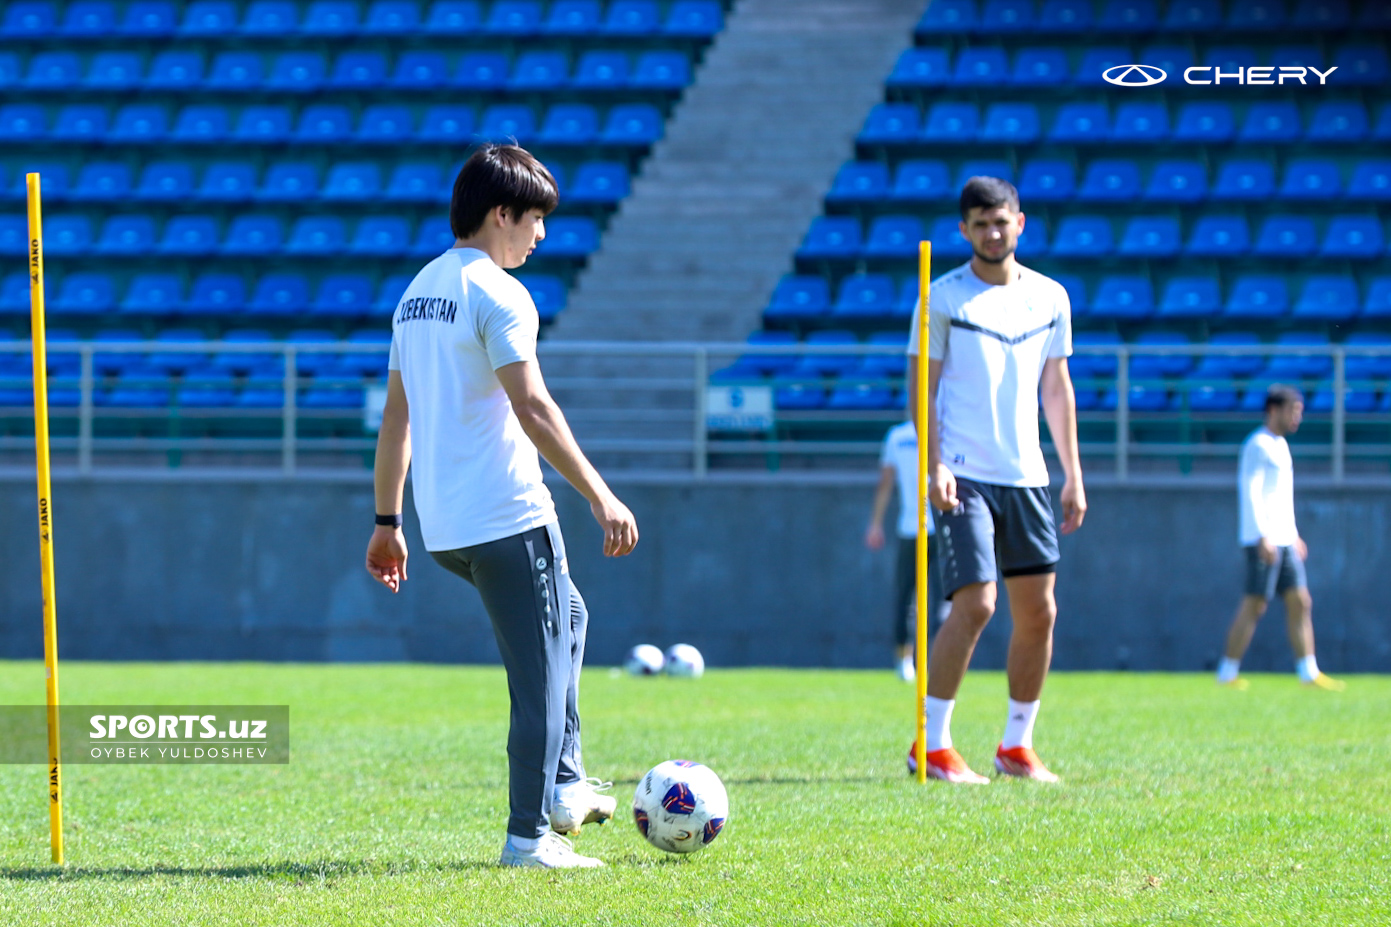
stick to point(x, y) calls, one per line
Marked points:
point(1275, 553)
point(999, 337)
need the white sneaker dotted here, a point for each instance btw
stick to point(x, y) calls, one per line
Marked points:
point(907, 670)
point(575, 804)
point(552, 852)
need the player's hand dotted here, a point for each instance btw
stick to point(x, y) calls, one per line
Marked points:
point(1301, 548)
point(620, 527)
point(874, 537)
point(1074, 499)
point(386, 557)
point(1267, 552)
point(941, 492)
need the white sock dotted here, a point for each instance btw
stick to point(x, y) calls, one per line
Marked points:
point(525, 844)
point(1227, 670)
point(1308, 668)
point(939, 723)
point(1019, 728)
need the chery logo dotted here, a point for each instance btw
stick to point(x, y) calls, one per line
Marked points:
point(1147, 75)
point(1134, 75)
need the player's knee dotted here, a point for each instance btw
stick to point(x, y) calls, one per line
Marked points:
point(974, 604)
point(1304, 598)
point(1041, 615)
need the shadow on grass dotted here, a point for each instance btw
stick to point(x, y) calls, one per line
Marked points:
point(319, 870)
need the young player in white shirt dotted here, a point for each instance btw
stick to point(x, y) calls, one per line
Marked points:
point(1275, 553)
point(468, 410)
point(999, 338)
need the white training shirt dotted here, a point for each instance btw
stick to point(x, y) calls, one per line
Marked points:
point(901, 453)
point(1266, 485)
point(993, 342)
point(476, 475)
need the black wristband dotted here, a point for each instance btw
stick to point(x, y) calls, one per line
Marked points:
point(389, 521)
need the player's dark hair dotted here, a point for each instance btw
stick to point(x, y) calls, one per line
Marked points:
point(1279, 395)
point(499, 175)
point(988, 193)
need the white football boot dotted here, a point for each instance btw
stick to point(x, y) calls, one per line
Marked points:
point(575, 804)
point(552, 852)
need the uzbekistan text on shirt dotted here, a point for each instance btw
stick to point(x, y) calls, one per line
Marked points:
point(430, 308)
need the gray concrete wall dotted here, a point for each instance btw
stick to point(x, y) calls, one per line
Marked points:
point(750, 574)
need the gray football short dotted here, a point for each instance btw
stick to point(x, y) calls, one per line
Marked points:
point(995, 531)
point(1267, 580)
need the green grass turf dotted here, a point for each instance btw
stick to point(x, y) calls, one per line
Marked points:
point(1181, 803)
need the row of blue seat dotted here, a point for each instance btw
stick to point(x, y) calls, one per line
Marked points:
point(271, 19)
point(1357, 64)
point(593, 182)
point(257, 235)
point(565, 124)
point(181, 71)
point(1322, 297)
point(994, 17)
point(1111, 180)
point(220, 293)
point(954, 123)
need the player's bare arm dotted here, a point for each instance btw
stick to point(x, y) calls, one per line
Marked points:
point(1060, 409)
point(545, 425)
point(386, 551)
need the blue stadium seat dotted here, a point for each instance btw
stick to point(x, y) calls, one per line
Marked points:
point(798, 297)
point(1306, 55)
point(1258, 296)
point(252, 234)
point(202, 124)
point(1123, 297)
point(331, 18)
point(14, 236)
point(280, 294)
point(573, 17)
point(9, 70)
point(85, 292)
point(1362, 64)
point(1212, 399)
point(209, 18)
point(636, 124)
point(482, 71)
point(569, 237)
point(385, 125)
point(89, 19)
point(1076, 292)
point(54, 71)
point(420, 70)
point(921, 67)
point(860, 182)
point(454, 17)
point(416, 182)
point(1083, 236)
point(29, 19)
point(1204, 122)
point(969, 169)
point(206, 389)
point(1286, 236)
point(54, 178)
point(447, 124)
point(189, 235)
point(661, 70)
point(166, 180)
point(831, 237)
point(1381, 130)
point(891, 123)
point(981, 67)
point(149, 19)
point(1110, 180)
point(140, 123)
point(951, 123)
point(127, 235)
point(1378, 303)
point(949, 17)
point(1336, 121)
point(1153, 366)
point(1311, 179)
point(297, 72)
point(1245, 180)
point(1190, 298)
point(236, 71)
point(374, 365)
point(1368, 366)
point(1322, 14)
point(324, 124)
point(507, 121)
point(154, 294)
point(359, 70)
point(1256, 15)
point(632, 17)
point(602, 70)
point(1094, 365)
point(67, 235)
point(921, 181)
point(270, 17)
point(1128, 16)
point(393, 17)
point(1271, 122)
point(865, 296)
point(1300, 366)
point(1219, 236)
point(1047, 180)
point(569, 124)
point(513, 18)
point(946, 239)
point(813, 365)
point(1371, 180)
point(81, 122)
point(102, 180)
point(321, 235)
point(115, 70)
point(1328, 298)
point(599, 182)
point(540, 71)
point(1097, 61)
point(390, 292)
point(1140, 123)
point(343, 295)
point(228, 182)
point(262, 125)
point(216, 293)
point(1011, 123)
point(1150, 237)
point(1080, 122)
point(1177, 182)
point(893, 237)
point(1073, 16)
point(352, 181)
point(863, 397)
point(694, 19)
point(382, 236)
point(1040, 67)
point(1033, 241)
point(1172, 59)
point(798, 397)
point(1353, 237)
point(1009, 16)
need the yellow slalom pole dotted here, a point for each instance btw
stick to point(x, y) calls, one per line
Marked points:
point(924, 271)
point(50, 611)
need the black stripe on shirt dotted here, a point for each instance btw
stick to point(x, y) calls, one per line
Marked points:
point(1005, 339)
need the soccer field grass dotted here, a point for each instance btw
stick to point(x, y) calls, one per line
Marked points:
point(1181, 803)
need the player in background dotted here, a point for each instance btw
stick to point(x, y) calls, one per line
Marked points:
point(999, 337)
point(467, 409)
point(1275, 553)
point(898, 466)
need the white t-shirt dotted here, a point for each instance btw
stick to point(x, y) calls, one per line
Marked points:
point(901, 453)
point(476, 475)
point(1266, 486)
point(993, 342)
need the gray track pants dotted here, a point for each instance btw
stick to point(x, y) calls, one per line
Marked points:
point(540, 621)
